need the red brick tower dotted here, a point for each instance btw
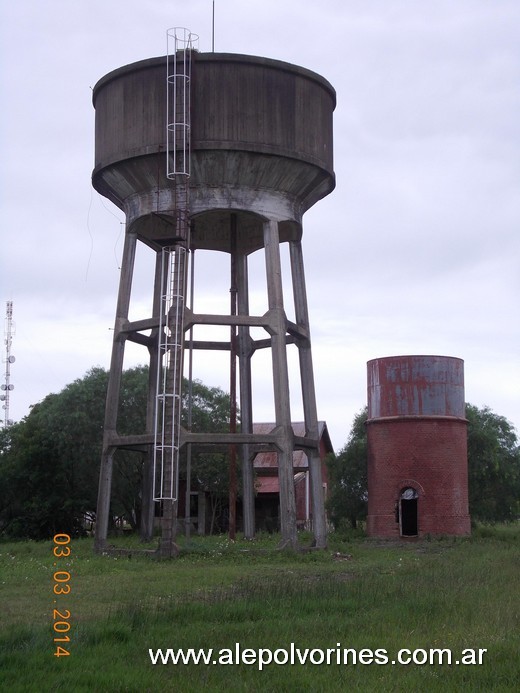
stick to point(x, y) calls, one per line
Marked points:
point(417, 447)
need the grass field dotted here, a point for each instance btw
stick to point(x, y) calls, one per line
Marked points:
point(450, 593)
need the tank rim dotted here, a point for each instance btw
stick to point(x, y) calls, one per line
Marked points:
point(148, 63)
point(415, 356)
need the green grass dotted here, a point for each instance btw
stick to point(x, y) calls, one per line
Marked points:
point(443, 593)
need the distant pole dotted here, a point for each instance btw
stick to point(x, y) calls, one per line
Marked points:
point(213, 30)
point(9, 359)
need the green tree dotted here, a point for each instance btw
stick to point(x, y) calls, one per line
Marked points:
point(348, 476)
point(210, 407)
point(127, 477)
point(51, 462)
point(493, 466)
point(50, 459)
point(493, 470)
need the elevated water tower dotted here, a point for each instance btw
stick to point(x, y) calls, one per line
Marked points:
point(224, 153)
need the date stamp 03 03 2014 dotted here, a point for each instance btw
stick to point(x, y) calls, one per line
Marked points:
point(61, 589)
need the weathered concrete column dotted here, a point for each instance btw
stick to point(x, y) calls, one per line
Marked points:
point(201, 514)
point(319, 525)
point(245, 352)
point(172, 372)
point(281, 384)
point(148, 504)
point(113, 389)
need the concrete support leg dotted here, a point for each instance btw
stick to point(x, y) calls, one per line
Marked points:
point(148, 503)
point(308, 395)
point(167, 546)
point(201, 514)
point(245, 352)
point(113, 389)
point(233, 344)
point(281, 385)
point(171, 372)
point(103, 503)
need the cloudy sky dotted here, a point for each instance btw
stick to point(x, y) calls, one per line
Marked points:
point(416, 251)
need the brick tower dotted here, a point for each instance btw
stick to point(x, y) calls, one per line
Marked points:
point(417, 447)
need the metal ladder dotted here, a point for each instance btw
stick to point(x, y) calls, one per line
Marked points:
point(168, 403)
point(169, 377)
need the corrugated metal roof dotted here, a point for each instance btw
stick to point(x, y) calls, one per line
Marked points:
point(270, 484)
point(269, 459)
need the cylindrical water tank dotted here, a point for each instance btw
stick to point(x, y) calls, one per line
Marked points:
point(415, 386)
point(417, 447)
point(261, 146)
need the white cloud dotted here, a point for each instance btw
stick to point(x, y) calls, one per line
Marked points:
point(416, 251)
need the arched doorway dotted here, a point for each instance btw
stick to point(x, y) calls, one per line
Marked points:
point(408, 525)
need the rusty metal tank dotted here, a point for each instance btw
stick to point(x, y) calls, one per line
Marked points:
point(417, 447)
point(415, 386)
point(261, 145)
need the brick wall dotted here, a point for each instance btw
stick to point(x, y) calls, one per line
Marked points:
point(428, 454)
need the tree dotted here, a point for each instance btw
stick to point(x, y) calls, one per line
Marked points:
point(127, 477)
point(210, 470)
point(51, 462)
point(348, 476)
point(50, 459)
point(493, 466)
point(493, 470)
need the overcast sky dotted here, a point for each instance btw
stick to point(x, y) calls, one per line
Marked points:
point(415, 252)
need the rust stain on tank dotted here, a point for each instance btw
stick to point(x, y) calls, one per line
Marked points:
point(416, 386)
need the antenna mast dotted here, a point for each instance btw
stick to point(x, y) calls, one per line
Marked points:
point(7, 387)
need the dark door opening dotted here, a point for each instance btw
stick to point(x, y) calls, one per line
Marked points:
point(267, 512)
point(408, 513)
